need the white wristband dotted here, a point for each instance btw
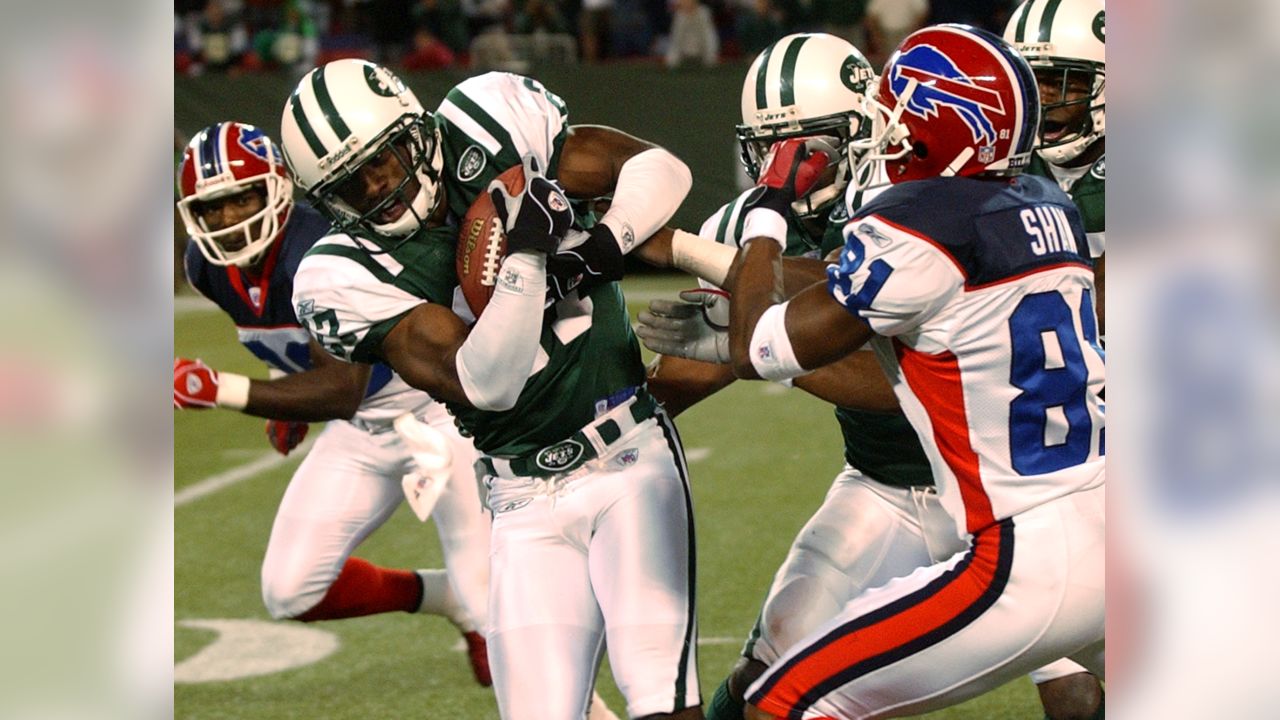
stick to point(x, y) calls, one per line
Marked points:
point(233, 391)
point(763, 222)
point(771, 353)
point(703, 258)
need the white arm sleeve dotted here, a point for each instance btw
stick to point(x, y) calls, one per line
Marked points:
point(497, 357)
point(651, 186)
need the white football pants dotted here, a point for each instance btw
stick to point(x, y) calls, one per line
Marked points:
point(1026, 592)
point(602, 557)
point(347, 487)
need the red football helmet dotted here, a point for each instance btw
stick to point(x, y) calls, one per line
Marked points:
point(954, 100)
point(227, 159)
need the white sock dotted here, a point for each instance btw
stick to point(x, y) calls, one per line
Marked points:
point(438, 598)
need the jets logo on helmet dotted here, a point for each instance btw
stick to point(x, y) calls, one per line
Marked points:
point(224, 161)
point(809, 85)
point(942, 83)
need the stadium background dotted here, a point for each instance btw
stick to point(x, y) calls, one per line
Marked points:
point(761, 460)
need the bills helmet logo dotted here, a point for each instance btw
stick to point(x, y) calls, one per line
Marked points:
point(255, 141)
point(941, 83)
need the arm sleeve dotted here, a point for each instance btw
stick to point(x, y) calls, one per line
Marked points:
point(651, 185)
point(345, 308)
point(890, 278)
point(497, 357)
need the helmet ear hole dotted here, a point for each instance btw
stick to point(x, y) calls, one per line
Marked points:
point(920, 150)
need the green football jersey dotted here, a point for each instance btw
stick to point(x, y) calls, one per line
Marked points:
point(1089, 191)
point(351, 291)
point(881, 445)
point(488, 123)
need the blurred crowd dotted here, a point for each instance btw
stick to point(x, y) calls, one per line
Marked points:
point(238, 36)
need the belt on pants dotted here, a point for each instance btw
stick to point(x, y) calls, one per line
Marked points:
point(587, 444)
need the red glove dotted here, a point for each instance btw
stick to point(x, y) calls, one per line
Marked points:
point(195, 385)
point(790, 172)
point(285, 435)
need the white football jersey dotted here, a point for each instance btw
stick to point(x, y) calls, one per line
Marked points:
point(981, 294)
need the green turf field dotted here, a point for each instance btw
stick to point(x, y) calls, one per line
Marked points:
point(761, 459)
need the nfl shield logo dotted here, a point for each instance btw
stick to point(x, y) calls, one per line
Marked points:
point(628, 457)
point(986, 154)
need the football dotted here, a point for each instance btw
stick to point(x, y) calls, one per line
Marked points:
point(482, 244)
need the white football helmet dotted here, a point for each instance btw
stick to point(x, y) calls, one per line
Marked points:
point(343, 115)
point(807, 85)
point(1066, 39)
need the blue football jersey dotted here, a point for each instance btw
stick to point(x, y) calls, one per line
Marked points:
point(263, 311)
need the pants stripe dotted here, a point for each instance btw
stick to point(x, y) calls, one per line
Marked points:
point(682, 699)
point(898, 630)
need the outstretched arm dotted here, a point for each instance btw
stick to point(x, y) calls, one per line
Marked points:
point(330, 390)
point(777, 341)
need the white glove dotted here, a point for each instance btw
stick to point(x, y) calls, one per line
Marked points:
point(697, 328)
point(433, 456)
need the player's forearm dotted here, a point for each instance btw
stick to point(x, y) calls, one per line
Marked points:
point(855, 381)
point(649, 189)
point(496, 359)
point(312, 396)
point(680, 383)
point(799, 273)
point(755, 282)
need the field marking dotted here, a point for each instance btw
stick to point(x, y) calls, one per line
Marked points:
point(248, 648)
point(192, 304)
point(219, 481)
point(697, 454)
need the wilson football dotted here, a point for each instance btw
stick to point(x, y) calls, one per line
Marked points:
point(482, 244)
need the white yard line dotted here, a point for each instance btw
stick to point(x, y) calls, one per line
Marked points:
point(192, 304)
point(222, 480)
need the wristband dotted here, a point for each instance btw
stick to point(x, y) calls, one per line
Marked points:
point(771, 353)
point(233, 391)
point(705, 259)
point(763, 222)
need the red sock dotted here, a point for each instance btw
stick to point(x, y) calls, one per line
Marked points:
point(363, 588)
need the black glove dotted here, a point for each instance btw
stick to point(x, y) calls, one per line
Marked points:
point(537, 218)
point(790, 172)
point(584, 260)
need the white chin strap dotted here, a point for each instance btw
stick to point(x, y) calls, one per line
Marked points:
point(417, 212)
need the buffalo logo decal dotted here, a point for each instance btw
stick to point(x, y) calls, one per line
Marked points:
point(942, 84)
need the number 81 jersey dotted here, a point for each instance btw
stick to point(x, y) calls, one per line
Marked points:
point(981, 295)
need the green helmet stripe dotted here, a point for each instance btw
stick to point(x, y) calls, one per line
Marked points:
point(761, 75)
point(1020, 35)
point(327, 107)
point(789, 70)
point(304, 125)
point(1046, 19)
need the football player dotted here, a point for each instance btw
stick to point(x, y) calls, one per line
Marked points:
point(247, 236)
point(881, 518)
point(592, 521)
point(1065, 42)
point(973, 284)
